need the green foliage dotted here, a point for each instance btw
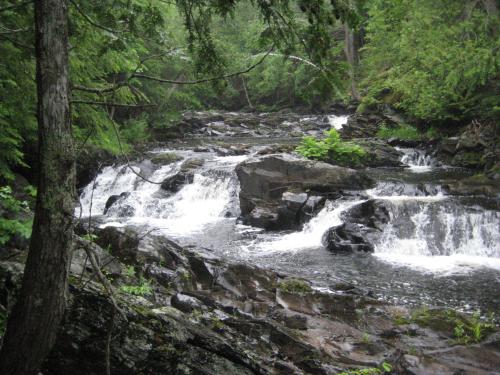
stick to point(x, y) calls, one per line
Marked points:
point(295, 286)
point(384, 368)
point(331, 148)
point(472, 330)
point(436, 60)
point(466, 329)
point(143, 289)
point(112, 40)
point(12, 209)
point(403, 132)
point(130, 271)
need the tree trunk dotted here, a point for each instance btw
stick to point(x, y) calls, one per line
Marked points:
point(351, 49)
point(34, 320)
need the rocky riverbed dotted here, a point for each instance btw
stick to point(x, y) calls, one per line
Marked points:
point(244, 258)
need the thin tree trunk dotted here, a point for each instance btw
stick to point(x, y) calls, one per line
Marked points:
point(352, 57)
point(246, 92)
point(33, 323)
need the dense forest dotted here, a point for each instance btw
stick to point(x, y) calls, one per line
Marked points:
point(89, 85)
point(435, 61)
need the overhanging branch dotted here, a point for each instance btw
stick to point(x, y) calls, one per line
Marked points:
point(204, 80)
point(112, 104)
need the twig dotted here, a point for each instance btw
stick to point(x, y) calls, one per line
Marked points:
point(90, 217)
point(92, 22)
point(92, 255)
point(108, 341)
point(110, 104)
point(128, 160)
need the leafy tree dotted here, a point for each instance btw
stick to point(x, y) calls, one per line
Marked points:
point(109, 74)
point(436, 60)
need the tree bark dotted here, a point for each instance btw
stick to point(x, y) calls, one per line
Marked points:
point(351, 50)
point(34, 320)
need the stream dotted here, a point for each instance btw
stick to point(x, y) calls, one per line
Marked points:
point(437, 249)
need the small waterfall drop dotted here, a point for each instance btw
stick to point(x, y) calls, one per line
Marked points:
point(337, 122)
point(210, 197)
point(418, 161)
point(310, 236)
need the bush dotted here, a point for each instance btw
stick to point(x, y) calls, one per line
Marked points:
point(332, 148)
point(12, 209)
point(403, 132)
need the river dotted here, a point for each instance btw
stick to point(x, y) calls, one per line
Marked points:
point(438, 249)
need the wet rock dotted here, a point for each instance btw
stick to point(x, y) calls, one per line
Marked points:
point(177, 181)
point(263, 217)
point(348, 237)
point(165, 158)
point(449, 145)
point(295, 322)
point(290, 209)
point(186, 304)
point(185, 175)
point(264, 180)
point(113, 199)
point(371, 213)
point(362, 224)
point(366, 125)
point(479, 184)
point(379, 154)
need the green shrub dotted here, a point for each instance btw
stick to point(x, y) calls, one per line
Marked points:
point(12, 207)
point(143, 289)
point(384, 368)
point(332, 148)
point(404, 132)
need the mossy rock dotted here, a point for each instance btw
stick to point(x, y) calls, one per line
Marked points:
point(165, 158)
point(295, 286)
point(468, 159)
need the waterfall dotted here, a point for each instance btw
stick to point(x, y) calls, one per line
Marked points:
point(312, 233)
point(440, 235)
point(417, 160)
point(337, 122)
point(210, 197)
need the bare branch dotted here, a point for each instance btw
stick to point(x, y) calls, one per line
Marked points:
point(110, 104)
point(204, 80)
point(95, 90)
point(92, 22)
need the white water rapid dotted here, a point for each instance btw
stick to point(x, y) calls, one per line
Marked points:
point(430, 236)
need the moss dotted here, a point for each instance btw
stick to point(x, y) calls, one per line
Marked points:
point(165, 158)
point(295, 286)
point(478, 179)
point(464, 328)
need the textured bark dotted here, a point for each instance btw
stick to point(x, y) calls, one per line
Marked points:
point(34, 320)
point(352, 43)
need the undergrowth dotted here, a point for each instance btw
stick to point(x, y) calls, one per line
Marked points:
point(331, 148)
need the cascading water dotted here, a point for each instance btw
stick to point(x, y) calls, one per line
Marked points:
point(337, 122)
point(423, 255)
point(210, 197)
point(417, 160)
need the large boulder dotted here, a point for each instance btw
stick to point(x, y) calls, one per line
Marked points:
point(362, 224)
point(347, 238)
point(184, 176)
point(114, 199)
point(379, 154)
point(276, 191)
